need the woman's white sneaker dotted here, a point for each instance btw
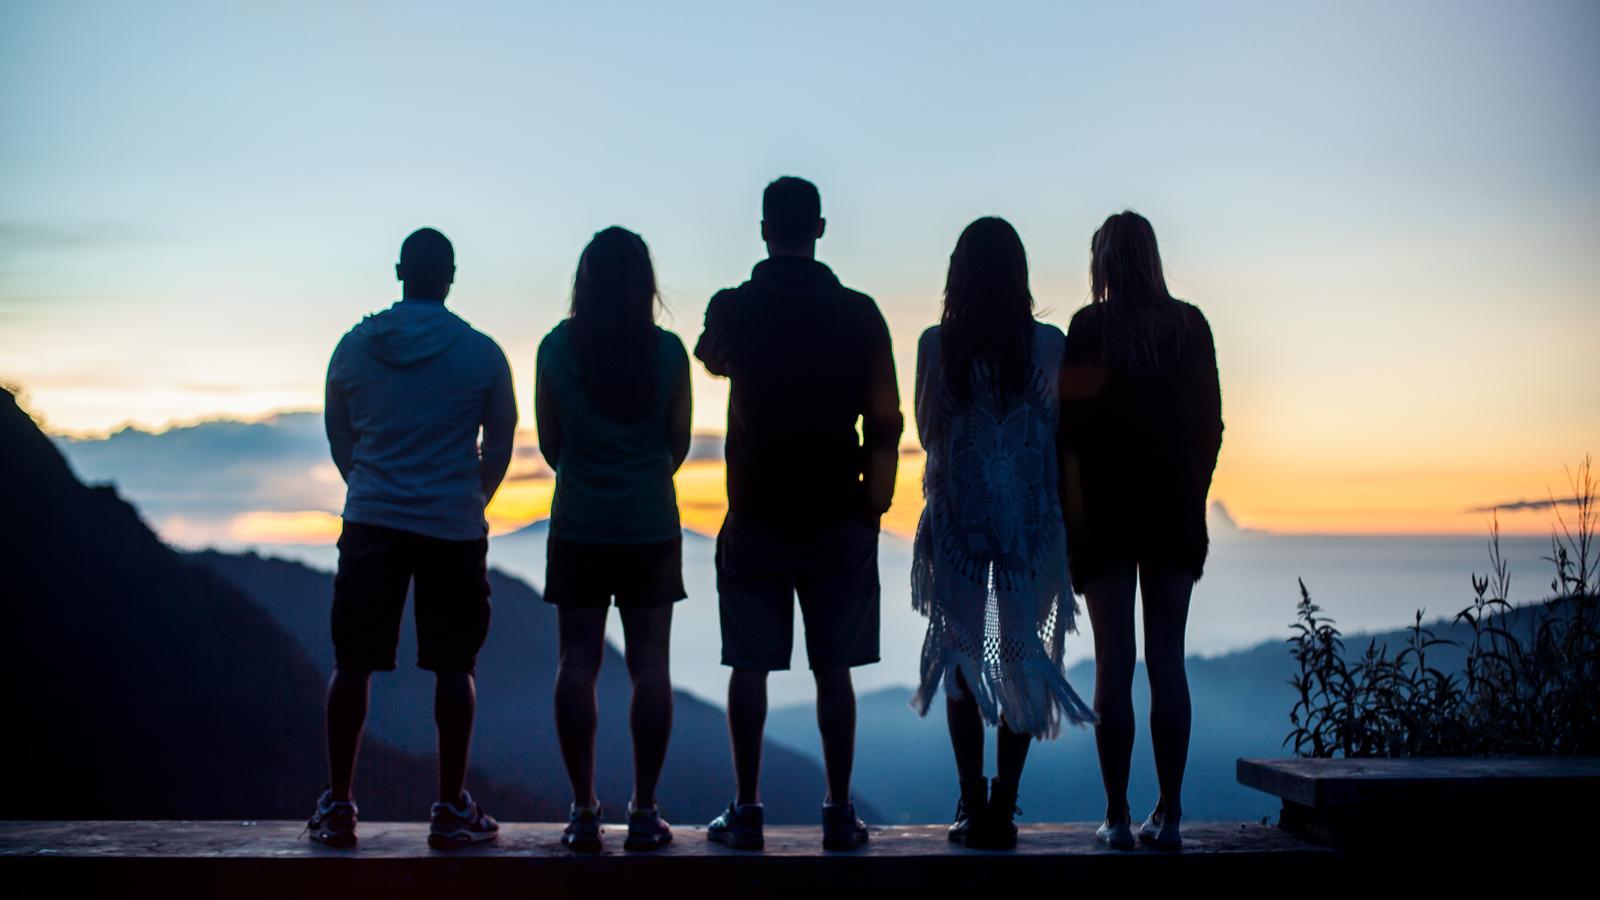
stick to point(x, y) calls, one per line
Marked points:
point(1117, 837)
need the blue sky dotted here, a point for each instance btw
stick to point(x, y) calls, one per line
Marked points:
point(1390, 212)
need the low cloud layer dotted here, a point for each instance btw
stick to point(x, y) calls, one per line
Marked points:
point(232, 483)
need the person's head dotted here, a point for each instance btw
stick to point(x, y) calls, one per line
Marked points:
point(1139, 317)
point(427, 265)
point(1125, 263)
point(988, 311)
point(791, 217)
point(612, 318)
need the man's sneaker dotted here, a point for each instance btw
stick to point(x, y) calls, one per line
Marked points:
point(646, 829)
point(334, 822)
point(459, 824)
point(582, 834)
point(841, 830)
point(739, 827)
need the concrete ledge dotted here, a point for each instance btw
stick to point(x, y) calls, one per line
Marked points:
point(259, 858)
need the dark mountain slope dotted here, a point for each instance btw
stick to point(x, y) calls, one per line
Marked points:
point(138, 685)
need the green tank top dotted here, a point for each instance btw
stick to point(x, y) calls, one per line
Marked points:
point(613, 479)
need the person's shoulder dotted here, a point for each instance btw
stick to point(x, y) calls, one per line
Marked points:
point(671, 344)
point(553, 340)
point(726, 299)
point(339, 359)
point(856, 298)
point(484, 346)
point(1194, 321)
point(1191, 312)
point(859, 305)
point(1047, 336)
point(347, 341)
point(1085, 315)
point(929, 339)
point(556, 336)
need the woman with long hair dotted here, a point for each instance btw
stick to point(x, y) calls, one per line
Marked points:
point(1143, 409)
point(612, 405)
point(989, 567)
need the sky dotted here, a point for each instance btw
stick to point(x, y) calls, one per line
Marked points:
point(1389, 212)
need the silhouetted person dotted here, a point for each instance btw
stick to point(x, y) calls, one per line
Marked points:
point(807, 358)
point(989, 567)
point(1143, 416)
point(408, 390)
point(613, 407)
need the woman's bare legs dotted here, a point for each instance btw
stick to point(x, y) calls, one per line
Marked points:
point(1110, 602)
point(647, 635)
point(1165, 597)
point(583, 640)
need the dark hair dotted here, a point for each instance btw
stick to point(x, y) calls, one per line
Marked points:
point(988, 313)
point(427, 260)
point(791, 209)
point(1130, 289)
point(612, 322)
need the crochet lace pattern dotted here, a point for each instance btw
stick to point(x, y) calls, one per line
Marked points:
point(989, 564)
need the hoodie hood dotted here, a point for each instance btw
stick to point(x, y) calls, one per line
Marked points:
point(410, 332)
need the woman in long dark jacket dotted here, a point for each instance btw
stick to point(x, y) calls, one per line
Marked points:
point(1142, 420)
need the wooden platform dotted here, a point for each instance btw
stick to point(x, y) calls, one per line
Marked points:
point(1325, 783)
point(273, 858)
point(1389, 806)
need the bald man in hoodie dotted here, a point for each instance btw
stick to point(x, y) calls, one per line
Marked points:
point(408, 391)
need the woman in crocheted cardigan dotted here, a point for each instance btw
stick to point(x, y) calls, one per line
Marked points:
point(989, 565)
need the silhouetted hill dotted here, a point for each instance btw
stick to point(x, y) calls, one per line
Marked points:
point(138, 685)
point(515, 737)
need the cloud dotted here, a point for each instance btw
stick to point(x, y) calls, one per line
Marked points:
point(216, 469)
point(1524, 505)
point(226, 482)
point(705, 446)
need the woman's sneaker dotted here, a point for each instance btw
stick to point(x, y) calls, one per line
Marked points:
point(461, 823)
point(1158, 833)
point(334, 822)
point(582, 834)
point(646, 829)
point(1117, 837)
point(841, 830)
point(739, 827)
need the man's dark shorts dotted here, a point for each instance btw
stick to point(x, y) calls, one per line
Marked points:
point(376, 566)
point(834, 570)
point(580, 574)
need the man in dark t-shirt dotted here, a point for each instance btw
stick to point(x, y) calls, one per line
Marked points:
point(810, 362)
